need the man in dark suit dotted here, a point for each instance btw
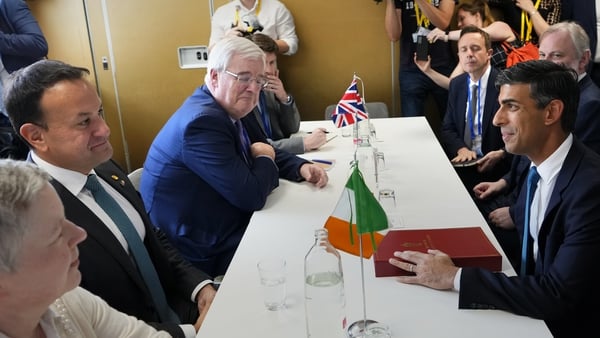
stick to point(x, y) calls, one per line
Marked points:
point(585, 14)
point(59, 114)
point(564, 43)
point(467, 131)
point(210, 166)
point(538, 104)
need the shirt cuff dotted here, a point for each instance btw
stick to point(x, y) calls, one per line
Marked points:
point(189, 331)
point(457, 280)
point(197, 289)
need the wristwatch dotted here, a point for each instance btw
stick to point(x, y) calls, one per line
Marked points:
point(289, 100)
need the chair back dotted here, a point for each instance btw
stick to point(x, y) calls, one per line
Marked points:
point(376, 110)
point(135, 177)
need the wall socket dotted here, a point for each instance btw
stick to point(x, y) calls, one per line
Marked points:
point(192, 57)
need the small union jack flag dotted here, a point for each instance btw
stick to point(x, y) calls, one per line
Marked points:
point(350, 109)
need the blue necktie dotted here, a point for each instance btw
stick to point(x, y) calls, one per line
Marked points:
point(532, 180)
point(264, 115)
point(136, 247)
point(244, 140)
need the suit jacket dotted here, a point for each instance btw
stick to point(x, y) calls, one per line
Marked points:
point(563, 289)
point(197, 187)
point(108, 271)
point(584, 13)
point(454, 124)
point(284, 121)
point(587, 124)
point(21, 40)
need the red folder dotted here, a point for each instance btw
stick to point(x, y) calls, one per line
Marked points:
point(468, 247)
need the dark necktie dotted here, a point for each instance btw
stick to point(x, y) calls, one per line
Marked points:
point(264, 115)
point(472, 115)
point(244, 141)
point(532, 180)
point(136, 247)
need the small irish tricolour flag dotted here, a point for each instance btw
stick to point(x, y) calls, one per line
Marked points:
point(357, 212)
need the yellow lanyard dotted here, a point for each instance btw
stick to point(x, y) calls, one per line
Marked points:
point(236, 19)
point(422, 20)
point(526, 21)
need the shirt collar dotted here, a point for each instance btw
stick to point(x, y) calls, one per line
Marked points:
point(552, 165)
point(483, 80)
point(72, 180)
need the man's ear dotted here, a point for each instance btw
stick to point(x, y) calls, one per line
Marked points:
point(33, 135)
point(214, 78)
point(554, 112)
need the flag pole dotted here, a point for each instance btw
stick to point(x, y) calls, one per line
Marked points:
point(362, 280)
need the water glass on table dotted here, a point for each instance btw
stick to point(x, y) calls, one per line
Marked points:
point(271, 271)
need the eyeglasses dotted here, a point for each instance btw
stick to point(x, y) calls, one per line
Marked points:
point(246, 79)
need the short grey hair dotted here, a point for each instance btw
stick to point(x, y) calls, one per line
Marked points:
point(225, 49)
point(580, 39)
point(20, 183)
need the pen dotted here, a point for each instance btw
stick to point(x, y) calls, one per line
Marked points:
point(325, 131)
point(322, 161)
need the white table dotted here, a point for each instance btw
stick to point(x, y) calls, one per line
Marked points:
point(429, 194)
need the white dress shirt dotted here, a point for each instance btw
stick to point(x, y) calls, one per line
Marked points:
point(276, 19)
point(74, 182)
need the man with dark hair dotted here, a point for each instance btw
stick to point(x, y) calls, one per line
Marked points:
point(468, 134)
point(564, 43)
point(276, 111)
point(125, 260)
point(557, 213)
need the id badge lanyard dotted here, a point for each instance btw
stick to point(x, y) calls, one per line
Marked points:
point(236, 17)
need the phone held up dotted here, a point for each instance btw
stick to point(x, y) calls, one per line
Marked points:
point(422, 48)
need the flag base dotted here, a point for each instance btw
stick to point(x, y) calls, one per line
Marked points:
point(373, 329)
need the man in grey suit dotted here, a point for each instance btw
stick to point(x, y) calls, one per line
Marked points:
point(276, 111)
point(59, 114)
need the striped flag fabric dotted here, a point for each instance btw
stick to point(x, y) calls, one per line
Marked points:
point(357, 213)
point(350, 109)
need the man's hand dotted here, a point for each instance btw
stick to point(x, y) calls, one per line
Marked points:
point(424, 66)
point(204, 300)
point(315, 139)
point(501, 218)
point(486, 190)
point(314, 174)
point(433, 269)
point(489, 160)
point(275, 86)
point(464, 155)
point(262, 149)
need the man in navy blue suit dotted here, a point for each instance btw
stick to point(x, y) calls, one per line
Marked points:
point(467, 131)
point(210, 166)
point(538, 104)
point(585, 14)
point(565, 43)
